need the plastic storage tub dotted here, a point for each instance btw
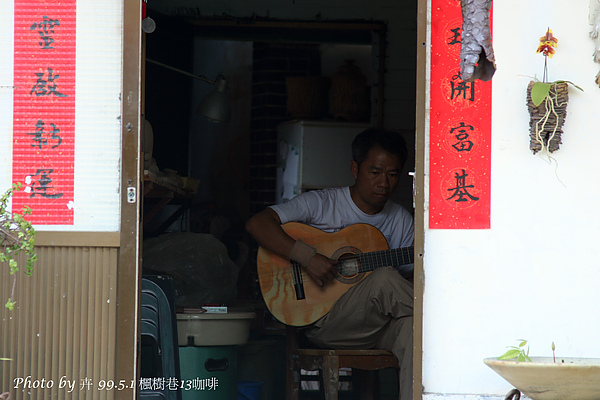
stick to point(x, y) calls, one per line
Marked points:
point(209, 329)
point(208, 372)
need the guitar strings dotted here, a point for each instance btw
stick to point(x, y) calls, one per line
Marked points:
point(376, 259)
point(368, 262)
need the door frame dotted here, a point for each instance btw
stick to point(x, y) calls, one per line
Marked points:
point(419, 182)
point(129, 265)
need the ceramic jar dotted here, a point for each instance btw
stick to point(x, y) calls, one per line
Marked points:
point(350, 98)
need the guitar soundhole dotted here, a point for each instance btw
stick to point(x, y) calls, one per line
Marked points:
point(348, 265)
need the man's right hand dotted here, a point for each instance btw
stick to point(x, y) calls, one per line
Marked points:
point(321, 269)
point(265, 228)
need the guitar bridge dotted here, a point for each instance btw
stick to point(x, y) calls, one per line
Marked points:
point(297, 280)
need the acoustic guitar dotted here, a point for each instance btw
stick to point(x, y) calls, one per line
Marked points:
point(294, 298)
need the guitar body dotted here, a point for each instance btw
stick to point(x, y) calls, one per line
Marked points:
point(276, 274)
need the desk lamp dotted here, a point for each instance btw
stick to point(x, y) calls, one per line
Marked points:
point(215, 105)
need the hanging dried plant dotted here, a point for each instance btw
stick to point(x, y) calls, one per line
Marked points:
point(547, 118)
point(547, 103)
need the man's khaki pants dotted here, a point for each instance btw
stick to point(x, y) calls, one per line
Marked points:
point(375, 313)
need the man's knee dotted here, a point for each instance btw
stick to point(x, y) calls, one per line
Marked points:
point(390, 289)
point(387, 275)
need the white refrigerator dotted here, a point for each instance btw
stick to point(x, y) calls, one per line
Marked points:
point(314, 155)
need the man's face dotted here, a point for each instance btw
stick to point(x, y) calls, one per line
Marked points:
point(376, 179)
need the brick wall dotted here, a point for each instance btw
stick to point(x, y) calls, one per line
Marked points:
point(272, 63)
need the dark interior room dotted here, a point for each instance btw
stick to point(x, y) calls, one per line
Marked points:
point(204, 178)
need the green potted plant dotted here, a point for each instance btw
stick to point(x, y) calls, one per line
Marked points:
point(547, 103)
point(547, 378)
point(16, 235)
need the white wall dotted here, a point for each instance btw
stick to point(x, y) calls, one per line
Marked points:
point(535, 274)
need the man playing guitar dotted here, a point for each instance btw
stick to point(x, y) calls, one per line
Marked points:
point(377, 312)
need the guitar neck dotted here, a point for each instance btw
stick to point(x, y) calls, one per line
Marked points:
point(394, 257)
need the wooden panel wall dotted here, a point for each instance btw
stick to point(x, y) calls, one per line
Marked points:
point(63, 326)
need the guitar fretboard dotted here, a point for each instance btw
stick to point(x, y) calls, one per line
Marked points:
point(384, 258)
point(376, 259)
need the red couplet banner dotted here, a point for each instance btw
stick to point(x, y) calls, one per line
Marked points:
point(460, 130)
point(44, 109)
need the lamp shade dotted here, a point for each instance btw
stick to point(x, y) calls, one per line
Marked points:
point(215, 106)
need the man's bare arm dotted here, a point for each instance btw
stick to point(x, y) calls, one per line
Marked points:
point(265, 228)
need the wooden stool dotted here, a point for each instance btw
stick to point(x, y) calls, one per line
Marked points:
point(329, 362)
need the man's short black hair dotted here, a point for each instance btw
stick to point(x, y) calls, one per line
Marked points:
point(390, 141)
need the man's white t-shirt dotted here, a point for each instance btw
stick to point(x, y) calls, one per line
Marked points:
point(333, 209)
